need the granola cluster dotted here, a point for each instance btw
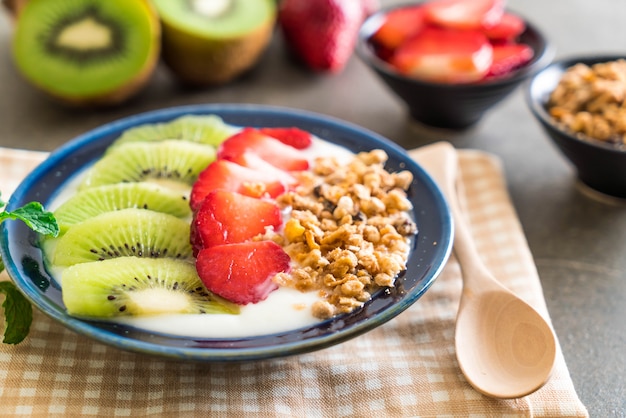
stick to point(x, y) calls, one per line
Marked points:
point(348, 231)
point(592, 101)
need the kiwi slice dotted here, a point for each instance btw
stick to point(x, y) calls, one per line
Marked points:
point(175, 164)
point(211, 42)
point(138, 286)
point(94, 201)
point(204, 129)
point(87, 52)
point(126, 232)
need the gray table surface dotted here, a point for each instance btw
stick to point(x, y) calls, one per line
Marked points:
point(578, 243)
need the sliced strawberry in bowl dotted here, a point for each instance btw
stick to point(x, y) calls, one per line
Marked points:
point(266, 147)
point(464, 14)
point(227, 217)
point(445, 55)
point(242, 273)
point(509, 57)
point(223, 174)
point(292, 136)
point(510, 27)
point(399, 25)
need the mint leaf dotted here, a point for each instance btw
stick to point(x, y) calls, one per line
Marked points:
point(35, 217)
point(18, 314)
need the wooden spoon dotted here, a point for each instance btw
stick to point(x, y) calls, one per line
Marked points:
point(504, 347)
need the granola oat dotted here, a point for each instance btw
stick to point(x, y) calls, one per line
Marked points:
point(592, 101)
point(348, 232)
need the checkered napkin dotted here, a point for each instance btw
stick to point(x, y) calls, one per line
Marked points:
point(406, 367)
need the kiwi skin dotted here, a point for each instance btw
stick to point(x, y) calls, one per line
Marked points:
point(199, 62)
point(14, 7)
point(124, 92)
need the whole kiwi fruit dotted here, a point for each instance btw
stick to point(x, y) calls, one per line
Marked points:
point(86, 52)
point(212, 42)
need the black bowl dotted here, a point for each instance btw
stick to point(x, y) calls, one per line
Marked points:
point(599, 165)
point(450, 106)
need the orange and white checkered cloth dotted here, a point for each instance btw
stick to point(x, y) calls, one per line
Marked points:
point(406, 367)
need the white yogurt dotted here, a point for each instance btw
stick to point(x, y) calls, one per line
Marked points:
point(285, 309)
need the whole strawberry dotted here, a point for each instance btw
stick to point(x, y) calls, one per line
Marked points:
point(321, 33)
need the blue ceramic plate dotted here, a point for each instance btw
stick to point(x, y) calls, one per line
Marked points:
point(431, 249)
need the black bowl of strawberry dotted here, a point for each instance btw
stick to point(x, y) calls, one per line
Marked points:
point(451, 61)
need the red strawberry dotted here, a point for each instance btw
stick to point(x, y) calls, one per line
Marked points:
point(222, 174)
point(269, 149)
point(227, 218)
point(399, 25)
point(509, 28)
point(243, 272)
point(509, 57)
point(464, 14)
point(445, 55)
point(295, 137)
point(322, 33)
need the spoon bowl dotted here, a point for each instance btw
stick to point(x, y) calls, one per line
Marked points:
point(504, 347)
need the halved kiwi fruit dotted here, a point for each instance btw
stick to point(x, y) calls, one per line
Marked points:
point(204, 129)
point(211, 42)
point(87, 52)
point(172, 163)
point(136, 286)
point(126, 232)
point(94, 201)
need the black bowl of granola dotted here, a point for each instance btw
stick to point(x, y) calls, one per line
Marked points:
point(580, 103)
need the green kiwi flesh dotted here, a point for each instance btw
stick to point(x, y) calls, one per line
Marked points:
point(94, 201)
point(87, 52)
point(126, 232)
point(137, 286)
point(171, 163)
point(204, 44)
point(204, 129)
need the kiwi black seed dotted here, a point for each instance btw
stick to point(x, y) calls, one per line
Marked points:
point(175, 164)
point(204, 129)
point(87, 52)
point(126, 232)
point(94, 201)
point(138, 286)
point(211, 42)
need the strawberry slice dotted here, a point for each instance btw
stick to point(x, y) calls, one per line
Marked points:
point(253, 161)
point(294, 137)
point(222, 174)
point(464, 14)
point(509, 57)
point(509, 28)
point(445, 55)
point(242, 272)
point(226, 218)
point(399, 25)
point(268, 148)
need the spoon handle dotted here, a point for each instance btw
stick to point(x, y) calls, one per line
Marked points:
point(441, 162)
